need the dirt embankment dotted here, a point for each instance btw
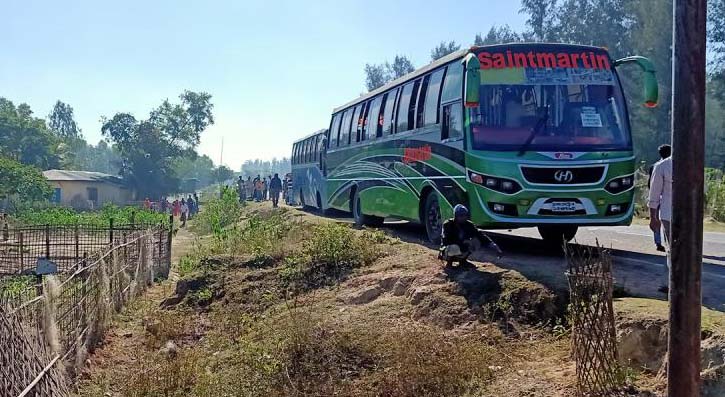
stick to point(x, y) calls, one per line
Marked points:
point(288, 303)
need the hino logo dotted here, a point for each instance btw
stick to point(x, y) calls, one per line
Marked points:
point(563, 176)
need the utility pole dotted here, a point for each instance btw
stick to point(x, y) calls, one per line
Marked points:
point(688, 161)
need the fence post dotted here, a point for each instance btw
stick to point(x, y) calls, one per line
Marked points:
point(47, 241)
point(22, 249)
point(110, 230)
point(75, 237)
point(168, 240)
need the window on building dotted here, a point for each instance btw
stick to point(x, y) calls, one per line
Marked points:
point(420, 104)
point(431, 98)
point(453, 83)
point(403, 108)
point(389, 112)
point(452, 126)
point(92, 194)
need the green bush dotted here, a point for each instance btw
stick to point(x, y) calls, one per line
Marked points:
point(331, 252)
point(218, 212)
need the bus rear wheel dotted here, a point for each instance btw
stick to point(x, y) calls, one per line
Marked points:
point(557, 235)
point(360, 218)
point(432, 218)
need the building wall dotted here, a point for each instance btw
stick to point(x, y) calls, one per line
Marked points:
point(75, 194)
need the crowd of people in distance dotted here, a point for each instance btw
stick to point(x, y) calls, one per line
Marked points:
point(262, 188)
point(183, 209)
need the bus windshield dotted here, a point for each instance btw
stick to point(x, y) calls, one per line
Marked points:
point(556, 114)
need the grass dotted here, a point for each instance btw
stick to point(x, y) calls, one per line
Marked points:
point(713, 322)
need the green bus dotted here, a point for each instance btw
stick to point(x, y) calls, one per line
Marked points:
point(524, 135)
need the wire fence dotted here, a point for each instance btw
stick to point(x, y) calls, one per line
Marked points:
point(64, 245)
point(48, 324)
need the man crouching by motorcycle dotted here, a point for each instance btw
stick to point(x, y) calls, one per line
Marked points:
point(460, 238)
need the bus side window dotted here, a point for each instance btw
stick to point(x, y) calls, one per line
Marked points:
point(362, 121)
point(413, 103)
point(452, 127)
point(420, 104)
point(404, 108)
point(355, 125)
point(380, 120)
point(334, 130)
point(453, 83)
point(345, 128)
point(432, 99)
point(294, 151)
point(373, 123)
point(389, 113)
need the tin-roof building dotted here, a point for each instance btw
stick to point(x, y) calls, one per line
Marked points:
point(88, 190)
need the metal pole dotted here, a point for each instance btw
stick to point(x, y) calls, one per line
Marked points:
point(688, 154)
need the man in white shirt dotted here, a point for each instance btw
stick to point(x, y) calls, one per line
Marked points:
point(660, 197)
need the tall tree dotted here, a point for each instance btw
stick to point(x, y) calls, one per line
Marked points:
point(375, 76)
point(25, 138)
point(62, 123)
point(400, 67)
point(542, 19)
point(444, 49)
point(149, 147)
point(498, 35)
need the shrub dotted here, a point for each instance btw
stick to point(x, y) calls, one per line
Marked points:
point(331, 252)
point(67, 216)
point(218, 213)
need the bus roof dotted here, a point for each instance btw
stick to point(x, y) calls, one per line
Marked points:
point(318, 132)
point(442, 61)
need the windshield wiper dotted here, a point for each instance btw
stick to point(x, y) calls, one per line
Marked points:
point(535, 130)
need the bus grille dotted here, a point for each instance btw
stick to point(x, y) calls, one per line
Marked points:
point(563, 175)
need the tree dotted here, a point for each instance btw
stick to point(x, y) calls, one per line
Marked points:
point(498, 35)
point(25, 138)
point(24, 181)
point(149, 147)
point(376, 76)
point(444, 49)
point(400, 67)
point(542, 19)
point(62, 123)
point(223, 173)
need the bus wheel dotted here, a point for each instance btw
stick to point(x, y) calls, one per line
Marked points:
point(432, 218)
point(557, 235)
point(360, 218)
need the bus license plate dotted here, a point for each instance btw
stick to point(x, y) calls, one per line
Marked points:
point(563, 206)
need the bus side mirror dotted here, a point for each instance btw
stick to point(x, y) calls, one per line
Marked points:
point(472, 83)
point(651, 89)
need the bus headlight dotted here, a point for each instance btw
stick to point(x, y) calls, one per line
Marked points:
point(620, 184)
point(502, 185)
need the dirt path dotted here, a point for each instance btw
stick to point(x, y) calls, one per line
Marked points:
point(124, 338)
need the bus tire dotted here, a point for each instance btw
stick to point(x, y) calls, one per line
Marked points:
point(360, 218)
point(432, 218)
point(557, 235)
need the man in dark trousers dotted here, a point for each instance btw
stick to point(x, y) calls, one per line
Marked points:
point(275, 186)
point(460, 238)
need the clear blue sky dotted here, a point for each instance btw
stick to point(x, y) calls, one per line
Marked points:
point(275, 69)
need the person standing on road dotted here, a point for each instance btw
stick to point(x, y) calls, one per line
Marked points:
point(660, 203)
point(258, 188)
point(460, 238)
point(241, 188)
point(184, 208)
point(664, 151)
point(275, 187)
